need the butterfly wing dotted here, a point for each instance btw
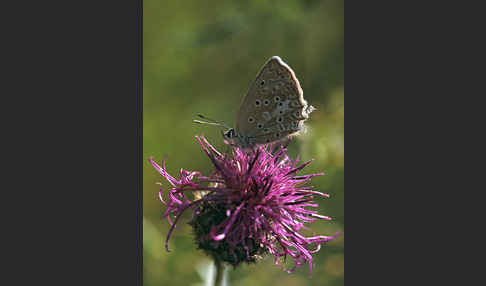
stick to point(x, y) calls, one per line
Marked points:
point(274, 106)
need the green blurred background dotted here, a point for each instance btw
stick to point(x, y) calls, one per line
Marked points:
point(201, 57)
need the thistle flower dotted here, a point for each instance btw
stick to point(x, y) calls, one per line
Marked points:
point(253, 203)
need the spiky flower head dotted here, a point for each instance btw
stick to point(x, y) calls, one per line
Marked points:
point(252, 204)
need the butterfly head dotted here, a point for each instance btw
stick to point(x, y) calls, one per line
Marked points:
point(230, 134)
point(240, 140)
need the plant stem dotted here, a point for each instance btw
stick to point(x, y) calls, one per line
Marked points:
point(218, 281)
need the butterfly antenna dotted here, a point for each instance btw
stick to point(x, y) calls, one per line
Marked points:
point(211, 121)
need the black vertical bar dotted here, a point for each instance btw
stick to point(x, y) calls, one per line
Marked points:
point(140, 144)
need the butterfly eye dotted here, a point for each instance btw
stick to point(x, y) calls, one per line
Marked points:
point(260, 126)
point(229, 134)
point(266, 102)
point(276, 98)
point(280, 104)
point(251, 119)
point(262, 82)
point(277, 135)
point(280, 111)
point(257, 102)
point(297, 114)
point(280, 119)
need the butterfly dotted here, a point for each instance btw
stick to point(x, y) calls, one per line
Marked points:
point(273, 109)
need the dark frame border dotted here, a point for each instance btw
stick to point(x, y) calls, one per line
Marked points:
point(139, 105)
